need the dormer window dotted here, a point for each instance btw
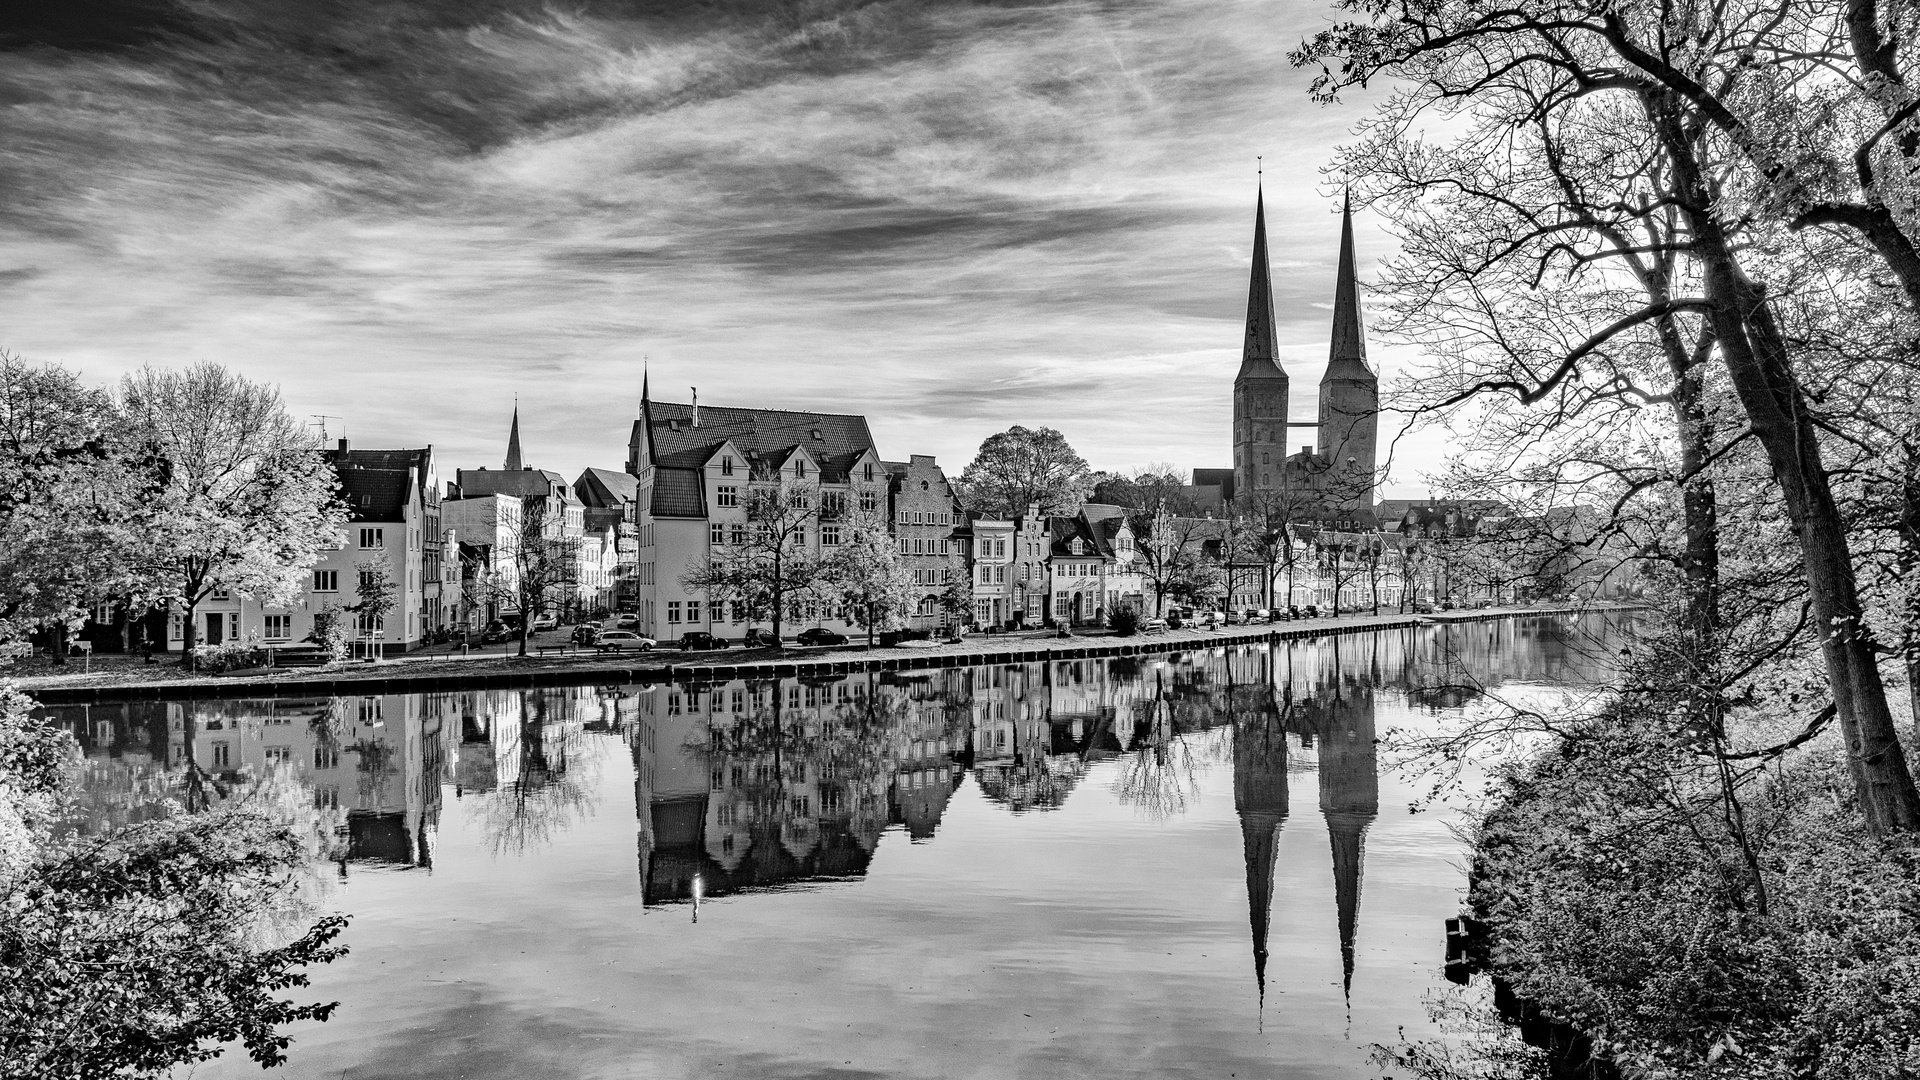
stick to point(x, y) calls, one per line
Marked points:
point(1076, 547)
point(800, 469)
point(726, 466)
point(869, 472)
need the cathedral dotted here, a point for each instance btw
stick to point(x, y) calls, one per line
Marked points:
point(1332, 481)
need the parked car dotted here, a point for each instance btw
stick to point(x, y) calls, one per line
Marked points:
point(757, 638)
point(1424, 607)
point(586, 634)
point(820, 635)
point(1153, 625)
point(497, 632)
point(700, 639)
point(1259, 615)
point(545, 622)
point(627, 622)
point(1209, 619)
point(623, 639)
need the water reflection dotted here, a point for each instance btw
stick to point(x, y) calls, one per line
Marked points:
point(765, 786)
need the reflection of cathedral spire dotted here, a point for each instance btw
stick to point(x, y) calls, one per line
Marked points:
point(1350, 799)
point(1260, 798)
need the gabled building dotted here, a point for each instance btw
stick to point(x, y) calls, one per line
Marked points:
point(611, 502)
point(695, 466)
point(927, 522)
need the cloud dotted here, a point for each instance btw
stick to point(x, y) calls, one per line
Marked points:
point(948, 215)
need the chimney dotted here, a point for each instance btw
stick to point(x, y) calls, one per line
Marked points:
point(696, 406)
point(345, 446)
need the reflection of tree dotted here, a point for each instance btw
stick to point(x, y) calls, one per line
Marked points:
point(552, 786)
point(1160, 773)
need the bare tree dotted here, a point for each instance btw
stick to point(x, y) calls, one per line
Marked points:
point(773, 566)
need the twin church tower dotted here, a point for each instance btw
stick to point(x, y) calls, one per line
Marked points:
point(1331, 483)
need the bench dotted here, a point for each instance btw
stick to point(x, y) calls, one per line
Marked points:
point(553, 648)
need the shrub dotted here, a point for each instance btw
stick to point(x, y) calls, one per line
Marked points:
point(332, 633)
point(1124, 622)
point(228, 656)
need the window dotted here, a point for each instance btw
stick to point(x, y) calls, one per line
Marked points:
point(326, 798)
point(279, 627)
point(1000, 549)
point(220, 592)
point(693, 611)
point(368, 578)
point(326, 581)
point(923, 485)
point(326, 756)
point(372, 624)
point(1000, 575)
point(1074, 546)
point(739, 534)
point(829, 535)
point(726, 466)
point(222, 755)
point(800, 469)
point(868, 501)
point(801, 501)
point(868, 471)
point(373, 538)
point(727, 496)
point(279, 755)
point(673, 611)
point(718, 533)
point(1060, 606)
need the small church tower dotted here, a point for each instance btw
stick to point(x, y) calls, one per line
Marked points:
point(1349, 391)
point(1260, 390)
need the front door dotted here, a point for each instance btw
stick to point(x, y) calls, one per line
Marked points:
point(216, 627)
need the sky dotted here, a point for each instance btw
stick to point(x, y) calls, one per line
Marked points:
point(952, 217)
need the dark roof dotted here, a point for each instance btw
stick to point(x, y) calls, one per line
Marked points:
point(678, 493)
point(1102, 511)
point(1347, 356)
point(525, 484)
point(1064, 529)
point(766, 437)
point(606, 488)
point(1258, 353)
point(375, 483)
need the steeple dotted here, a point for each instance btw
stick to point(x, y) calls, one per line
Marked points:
point(1257, 356)
point(1347, 359)
point(513, 442)
point(1260, 800)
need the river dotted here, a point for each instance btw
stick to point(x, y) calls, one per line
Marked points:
point(1195, 864)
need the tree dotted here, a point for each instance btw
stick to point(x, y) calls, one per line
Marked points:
point(538, 566)
point(375, 599)
point(157, 942)
point(1022, 466)
point(1662, 81)
point(236, 495)
point(956, 599)
point(772, 566)
point(865, 573)
point(63, 494)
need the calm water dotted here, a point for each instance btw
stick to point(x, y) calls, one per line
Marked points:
point(1189, 866)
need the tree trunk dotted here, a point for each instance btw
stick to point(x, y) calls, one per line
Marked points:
point(1761, 374)
point(189, 631)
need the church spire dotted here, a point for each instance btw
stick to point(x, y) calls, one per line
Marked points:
point(1347, 359)
point(1260, 337)
point(513, 442)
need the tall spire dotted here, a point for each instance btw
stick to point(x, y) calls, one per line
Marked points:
point(1257, 355)
point(513, 441)
point(1347, 359)
point(1260, 800)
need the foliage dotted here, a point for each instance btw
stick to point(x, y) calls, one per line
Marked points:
point(228, 656)
point(375, 596)
point(865, 574)
point(238, 495)
point(64, 494)
point(332, 632)
point(1123, 621)
point(1022, 466)
point(956, 599)
point(147, 948)
point(1619, 902)
point(535, 566)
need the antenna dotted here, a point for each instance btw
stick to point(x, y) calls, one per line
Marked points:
point(323, 418)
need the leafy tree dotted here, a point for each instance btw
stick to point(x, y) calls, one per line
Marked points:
point(773, 566)
point(63, 496)
point(956, 599)
point(865, 573)
point(376, 596)
point(1020, 466)
point(147, 948)
point(236, 495)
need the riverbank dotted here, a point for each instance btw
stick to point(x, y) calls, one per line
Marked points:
point(1623, 904)
point(436, 670)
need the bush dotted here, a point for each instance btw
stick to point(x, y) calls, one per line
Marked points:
point(1124, 622)
point(332, 633)
point(228, 656)
point(159, 942)
point(1640, 926)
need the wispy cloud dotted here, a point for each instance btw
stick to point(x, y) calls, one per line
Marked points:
point(950, 216)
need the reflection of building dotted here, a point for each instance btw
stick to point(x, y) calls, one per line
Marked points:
point(1260, 799)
